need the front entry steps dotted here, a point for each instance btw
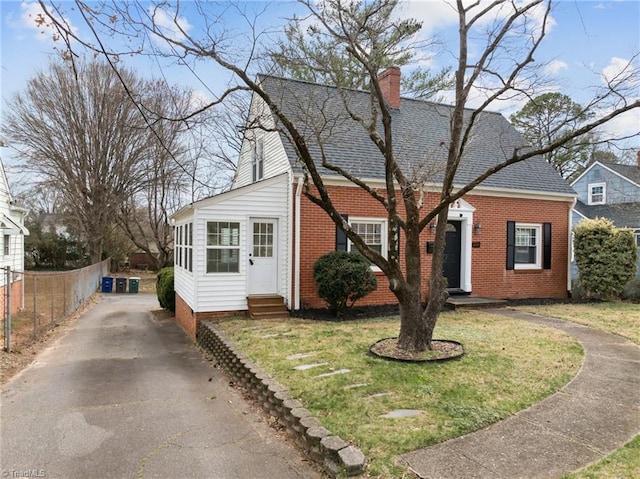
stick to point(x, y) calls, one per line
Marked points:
point(473, 302)
point(267, 306)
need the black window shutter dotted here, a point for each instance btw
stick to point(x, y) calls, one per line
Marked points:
point(341, 239)
point(511, 244)
point(546, 252)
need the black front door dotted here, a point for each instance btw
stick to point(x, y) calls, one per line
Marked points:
point(451, 269)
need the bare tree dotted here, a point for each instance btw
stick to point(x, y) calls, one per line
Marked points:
point(144, 216)
point(503, 68)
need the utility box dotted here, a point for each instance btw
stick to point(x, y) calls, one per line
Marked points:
point(107, 284)
point(121, 285)
point(134, 284)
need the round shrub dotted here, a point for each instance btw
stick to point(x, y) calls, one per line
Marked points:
point(164, 289)
point(342, 278)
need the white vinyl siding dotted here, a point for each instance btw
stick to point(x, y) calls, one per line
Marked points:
point(275, 159)
point(209, 292)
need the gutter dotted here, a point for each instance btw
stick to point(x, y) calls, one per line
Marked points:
point(297, 245)
point(573, 205)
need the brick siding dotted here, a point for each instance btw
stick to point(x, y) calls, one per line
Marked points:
point(489, 275)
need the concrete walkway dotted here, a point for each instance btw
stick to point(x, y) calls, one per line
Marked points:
point(123, 395)
point(597, 412)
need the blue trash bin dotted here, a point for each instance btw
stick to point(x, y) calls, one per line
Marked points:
point(107, 284)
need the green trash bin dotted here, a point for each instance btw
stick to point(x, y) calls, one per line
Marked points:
point(134, 284)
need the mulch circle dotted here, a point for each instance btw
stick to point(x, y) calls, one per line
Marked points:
point(441, 350)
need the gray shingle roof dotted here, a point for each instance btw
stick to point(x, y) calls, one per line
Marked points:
point(628, 171)
point(623, 215)
point(421, 134)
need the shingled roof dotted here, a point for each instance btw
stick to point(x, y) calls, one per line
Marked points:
point(631, 172)
point(623, 215)
point(421, 136)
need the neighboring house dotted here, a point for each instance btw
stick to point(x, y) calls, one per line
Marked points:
point(609, 190)
point(12, 232)
point(508, 238)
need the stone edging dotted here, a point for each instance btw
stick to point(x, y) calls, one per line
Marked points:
point(331, 452)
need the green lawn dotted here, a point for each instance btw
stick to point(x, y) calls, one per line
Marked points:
point(509, 365)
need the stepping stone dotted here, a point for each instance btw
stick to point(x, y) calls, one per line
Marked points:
point(400, 413)
point(354, 386)
point(304, 367)
point(300, 356)
point(255, 328)
point(333, 373)
point(379, 395)
point(290, 333)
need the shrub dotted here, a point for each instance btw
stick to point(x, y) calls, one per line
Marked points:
point(606, 257)
point(631, 291)
point(164, 289)
point(342, 278)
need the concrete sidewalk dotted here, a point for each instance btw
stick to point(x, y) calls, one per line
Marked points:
point(597, 412)
point(123, 395)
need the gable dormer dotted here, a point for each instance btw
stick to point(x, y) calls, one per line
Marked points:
point(608, 183)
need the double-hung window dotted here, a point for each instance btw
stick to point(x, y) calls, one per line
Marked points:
point(528, 251)
point(257, 160)
point(7, 245)
point(597, 193)
point(223, 247)
point(374, 233)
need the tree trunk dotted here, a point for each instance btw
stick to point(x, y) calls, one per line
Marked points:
point(417, 323)
point(438, 284)
point(412, 327)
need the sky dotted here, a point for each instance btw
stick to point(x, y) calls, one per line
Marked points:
point(585, 40)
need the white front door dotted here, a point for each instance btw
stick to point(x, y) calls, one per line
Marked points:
point(263, 256)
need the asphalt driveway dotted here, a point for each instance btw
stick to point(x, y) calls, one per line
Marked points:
point(124, 395)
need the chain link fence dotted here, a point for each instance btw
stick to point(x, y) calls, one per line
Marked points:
point(38, 301)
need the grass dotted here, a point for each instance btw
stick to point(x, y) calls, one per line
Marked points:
point(618, 318)
point(509, 365)
point(624, 463)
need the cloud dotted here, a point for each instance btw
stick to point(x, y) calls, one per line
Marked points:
point(169, 25)
point(555, 66)
point(618, 69)
point(624, 125)
point(33, 17)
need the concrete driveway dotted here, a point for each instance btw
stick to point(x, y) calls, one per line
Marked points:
point(124, 395)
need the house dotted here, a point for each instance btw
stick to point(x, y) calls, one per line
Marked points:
point(609, 190)
point(12, 233)
point(508, 238)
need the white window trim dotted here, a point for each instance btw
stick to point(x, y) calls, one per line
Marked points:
point(590, 188)
point(220, 247)
point(539, 246)
point(383, 235)
point(257, 160)
point(6, 245)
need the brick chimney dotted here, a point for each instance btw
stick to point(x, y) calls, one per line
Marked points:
point(638, 157)
point(390, 85)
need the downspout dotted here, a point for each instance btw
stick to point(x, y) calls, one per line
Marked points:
point(573, 205)
point(297, 245)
